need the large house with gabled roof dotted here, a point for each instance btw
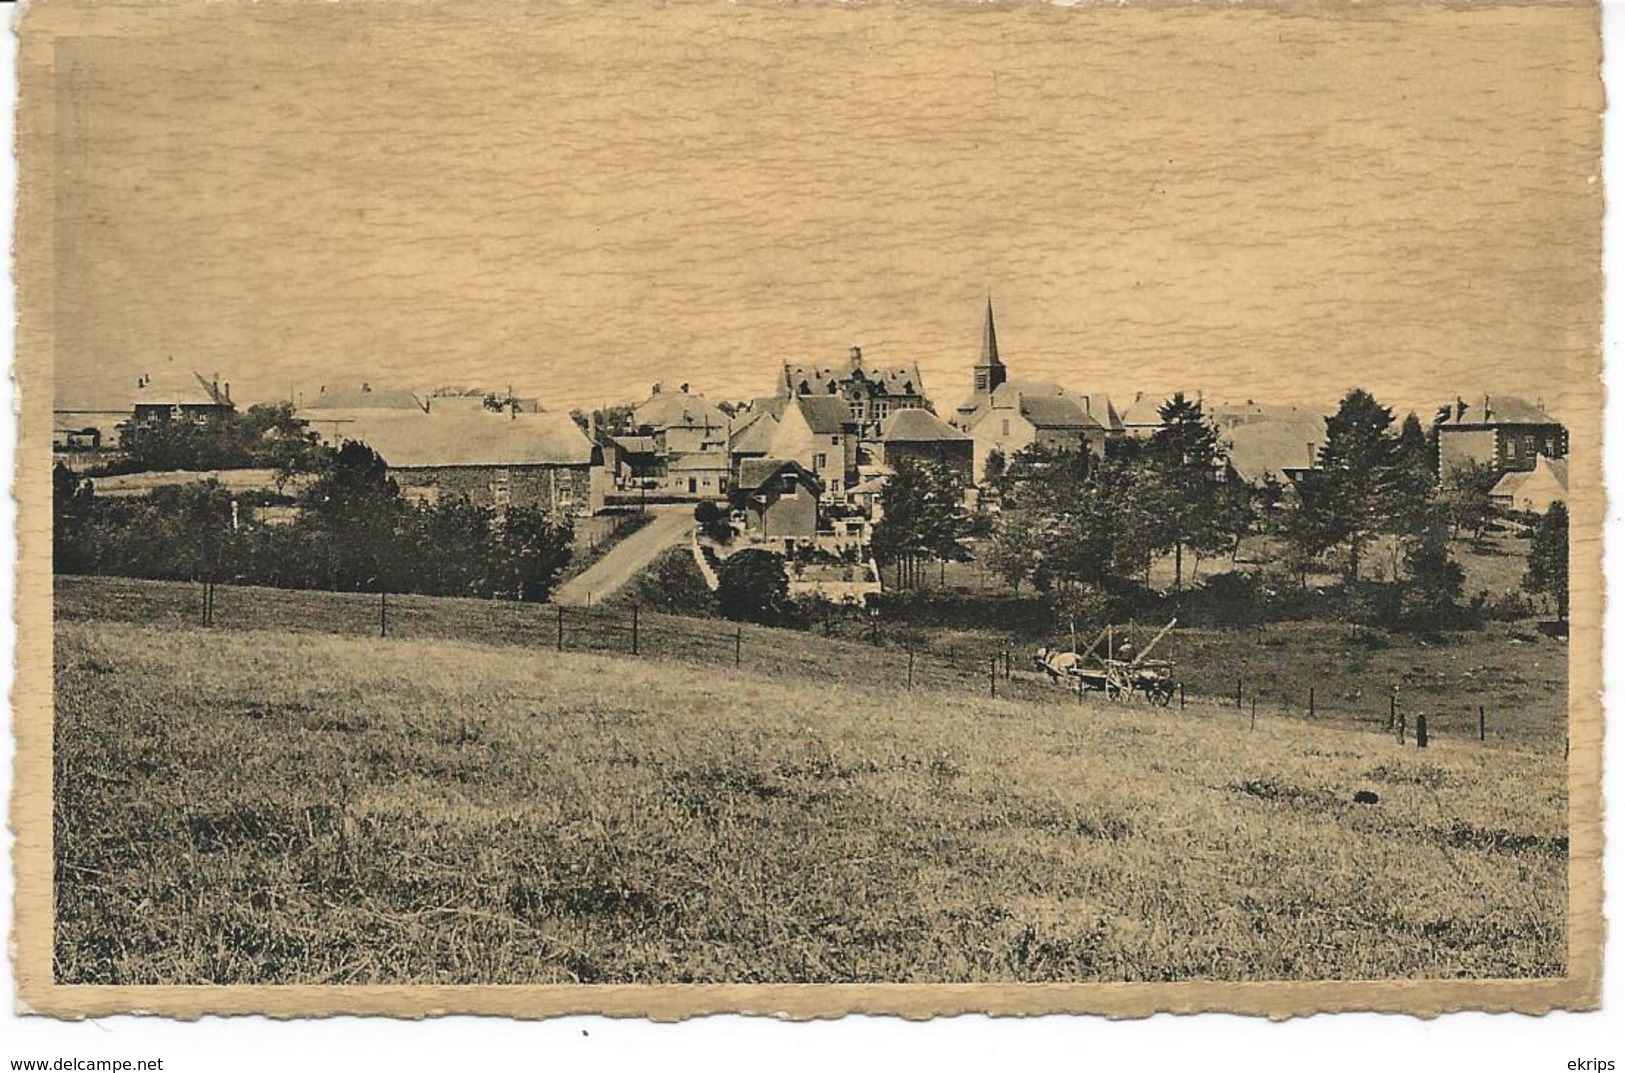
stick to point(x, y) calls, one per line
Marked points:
point(1502, 431)
point(869, 394)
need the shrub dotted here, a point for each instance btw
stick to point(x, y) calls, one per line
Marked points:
point(752, 587)
point(674, 585)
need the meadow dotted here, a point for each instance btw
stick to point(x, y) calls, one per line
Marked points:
point(261, 805)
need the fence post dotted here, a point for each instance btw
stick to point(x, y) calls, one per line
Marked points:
point(1181, 694)
point(993, 676)
point(1311, 702)
point(1421, 731)
point(634, 629)
point(560, 638)
point(1007, 665)
point(911, 666)
point(1480, 722)
point(1254, 724)
point(383, 613)
point(1399, 726)
point(739, 637)
point(1393, 716)
point(1238, 692)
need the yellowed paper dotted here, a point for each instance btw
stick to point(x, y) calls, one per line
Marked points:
point(588, 204)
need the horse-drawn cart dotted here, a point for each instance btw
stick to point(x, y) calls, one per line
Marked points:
point(1121, 672)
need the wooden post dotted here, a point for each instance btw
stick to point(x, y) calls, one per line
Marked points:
point(634, 629)
point(1182, 696)
point(1311, 702)
point(1480, 722)
point(383, 613)
point(560, 641)
point(911, 666)
point(1007, 665)
point(739, 639)
point(1421, 730)
point(1254, 724)
point(993, 676)
point(1238, 692)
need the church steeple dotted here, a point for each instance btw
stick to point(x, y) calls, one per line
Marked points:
point(990, 371)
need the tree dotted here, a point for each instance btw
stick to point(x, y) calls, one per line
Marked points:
point(358, 506)
point(1187, 459)
point(923, 517)
point(1464, 497)
point(713, 522)
point(530, 551)
point(675, 585)
point(1548, 570)
point(753, 587)
point(72, 508)
point(1363, 486)
point(1430, 596)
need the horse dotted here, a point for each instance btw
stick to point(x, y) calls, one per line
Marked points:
point(1059, 663)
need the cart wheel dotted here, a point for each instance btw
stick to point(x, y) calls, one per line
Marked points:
point(1164, 697)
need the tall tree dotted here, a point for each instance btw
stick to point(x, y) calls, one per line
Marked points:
point(1464, 497)
point(923, 518)
point(1364, 485)
point(1548, 571)
point(1187, 460)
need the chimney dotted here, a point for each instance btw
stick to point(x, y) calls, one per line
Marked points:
point(857, 356)
point(228, 392)
point(654, 389)
point(683, 387)
point(1487, 410)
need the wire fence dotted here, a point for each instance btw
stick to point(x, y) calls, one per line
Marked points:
point(881, 658)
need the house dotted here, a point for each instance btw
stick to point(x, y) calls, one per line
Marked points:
point(1504, 432)
point(819, 432)
point(1533, 491)
point(780, 500)
point(1277, 448)
point(920, 434)
point(174, 395)
point(752, 436)
point(1016, 420)
point(492, 459)
point(869, 394)
point(330, 411)
point(1141, 414)
point(680, 422)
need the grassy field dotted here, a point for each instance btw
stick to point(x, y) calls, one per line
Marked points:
point(273, 806)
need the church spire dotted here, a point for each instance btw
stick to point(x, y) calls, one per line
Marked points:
point(990, 339)
point(990, 371)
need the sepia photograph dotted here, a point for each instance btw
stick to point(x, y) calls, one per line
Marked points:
point(1098, 504)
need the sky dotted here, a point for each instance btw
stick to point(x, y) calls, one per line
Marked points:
point(578, 199)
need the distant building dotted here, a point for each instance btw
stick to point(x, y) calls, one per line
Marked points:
point(781, 499)
point(175, 396)
point(1280, 447)
point(1503, 432)
point(494, 460)
point(820, 433)
point(919, 434)
point(1535, 490)
point(1007, 415)
point(869, 394)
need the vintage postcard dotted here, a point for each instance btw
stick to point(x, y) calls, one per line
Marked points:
point(658, 508)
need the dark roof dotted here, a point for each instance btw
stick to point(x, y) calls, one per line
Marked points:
point(1271, 447)
point(990, 339)
point(636, 445)
point(917, 426)
point(1056, 411)
point(826, 415)
point(678, 409)
point(895, 379)
point(1496, 410)
point(755, 473)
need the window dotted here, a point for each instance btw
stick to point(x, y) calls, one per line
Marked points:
point(1006, 429)
point(820, 461)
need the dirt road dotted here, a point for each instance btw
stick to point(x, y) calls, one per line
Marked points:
point(672, 525)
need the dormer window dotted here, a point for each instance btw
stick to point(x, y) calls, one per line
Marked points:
point(805, 389)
